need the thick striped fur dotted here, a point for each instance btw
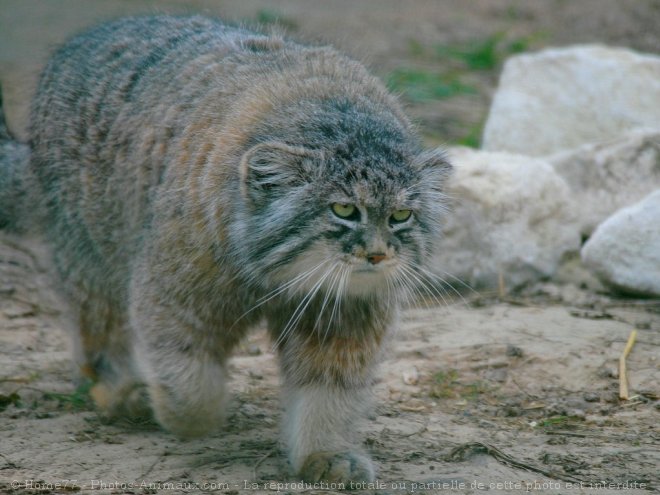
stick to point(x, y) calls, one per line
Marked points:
point(189, 173)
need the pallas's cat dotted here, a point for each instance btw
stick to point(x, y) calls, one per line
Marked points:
point(196, 179)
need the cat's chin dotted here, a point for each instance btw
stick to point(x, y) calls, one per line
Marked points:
point(367, 281)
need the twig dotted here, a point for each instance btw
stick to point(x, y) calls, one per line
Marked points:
point(529, 395)
point(501, 288)
point(467, 450)
point(623, 377)
point(10, 464)
point(260, 461)
point(153, 465)
point(412, 408)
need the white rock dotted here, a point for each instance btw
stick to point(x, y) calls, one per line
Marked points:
point(562, 98)
point(411, 376)
point(511, 215)
point(624, 250)
point(608, 176)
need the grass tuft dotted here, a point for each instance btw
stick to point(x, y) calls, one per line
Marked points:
point(77, 400)
point(446, 385)
point(271, 17)
point(419, 85)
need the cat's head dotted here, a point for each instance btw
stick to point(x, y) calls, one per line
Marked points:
point(356, 214)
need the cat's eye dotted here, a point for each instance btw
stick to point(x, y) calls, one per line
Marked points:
point(348, 212)
point(400, 216)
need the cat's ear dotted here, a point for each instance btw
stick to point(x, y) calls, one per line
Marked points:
point(271, 168)
point(433, 167)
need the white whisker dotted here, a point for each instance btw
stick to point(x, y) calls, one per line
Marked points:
point(326, 298)
point(423, 284)
point(345, 273)
point(434, 277)
point(302, 306)
point(299, 279)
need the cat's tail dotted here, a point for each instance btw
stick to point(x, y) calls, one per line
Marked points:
point(15, 190)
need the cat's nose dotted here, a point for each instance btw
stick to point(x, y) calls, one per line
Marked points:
point(375, 258)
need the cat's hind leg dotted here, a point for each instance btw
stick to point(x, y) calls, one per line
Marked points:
point(103, 356)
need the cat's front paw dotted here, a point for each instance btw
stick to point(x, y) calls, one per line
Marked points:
point(338, 467)
point(128, 401)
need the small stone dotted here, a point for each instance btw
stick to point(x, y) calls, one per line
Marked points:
point(577, 413)
point(411, 377)
point(7, 290)
point(511, 412)
point(254, 350)
point(591, 397)
point(514, 351)
point(497, 375)
point(608, 372)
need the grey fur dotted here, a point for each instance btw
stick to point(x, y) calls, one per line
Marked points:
point(14, 179)
point(188, 171)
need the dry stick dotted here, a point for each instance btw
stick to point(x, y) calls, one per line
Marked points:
point(261, 460)
point(151, 468)
point(467, 450)
point(10, 463)
point(623, 377)
point(501, 287)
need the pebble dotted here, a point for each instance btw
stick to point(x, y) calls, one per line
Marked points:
point(514, 351)
point(253, 350)
point(591, 397)
point(577, 413)
point(411, 376)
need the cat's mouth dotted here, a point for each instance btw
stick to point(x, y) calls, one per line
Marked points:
point(368, 278)
point(361, 265)
point(366, 268)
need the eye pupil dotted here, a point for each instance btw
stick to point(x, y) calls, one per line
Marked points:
point(345, 211)
point(400, 216)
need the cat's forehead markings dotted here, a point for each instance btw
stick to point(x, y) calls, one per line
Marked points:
point(361, 192)
point(402, 196)
point(365, 195)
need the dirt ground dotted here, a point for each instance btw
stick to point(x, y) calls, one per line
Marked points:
point(492, 391)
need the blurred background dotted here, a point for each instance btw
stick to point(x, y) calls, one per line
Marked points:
point(442, 56)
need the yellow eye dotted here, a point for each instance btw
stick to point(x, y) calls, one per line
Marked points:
point(400, 216)
point(344, 211)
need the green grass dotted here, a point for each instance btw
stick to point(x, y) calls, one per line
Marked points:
point(457, 60)
point(270, 17)
point(8, 400)
point(472, 137)
point(558, 422)
point(483, 54)
point(77, 400)
point(446, 384)
point(451, 66)
point(419, 85)
point(476, 55)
